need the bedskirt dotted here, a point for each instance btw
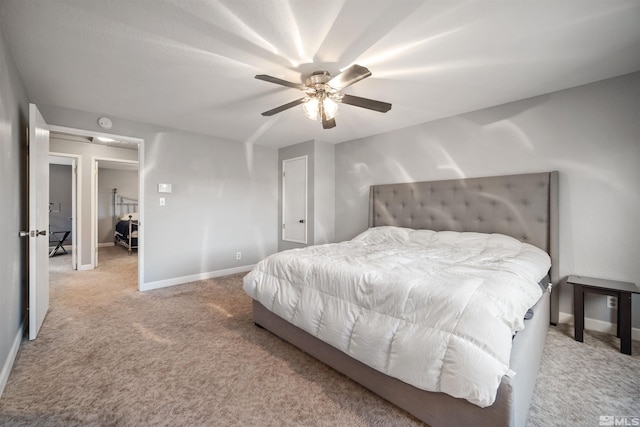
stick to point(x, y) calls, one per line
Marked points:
point(436, 409)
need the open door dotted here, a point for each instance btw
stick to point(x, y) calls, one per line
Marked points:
point(38, 220)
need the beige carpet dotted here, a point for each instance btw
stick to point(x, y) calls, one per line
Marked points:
point(190, 355)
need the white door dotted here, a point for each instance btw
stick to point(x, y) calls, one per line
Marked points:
point(294, 200)
point(38, 220)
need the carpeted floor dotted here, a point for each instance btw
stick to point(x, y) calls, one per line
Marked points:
point(191, 355)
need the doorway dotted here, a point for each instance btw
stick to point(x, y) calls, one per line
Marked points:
point(96, 148)
point(63, 204)
point(40, 206)
point(115, 205)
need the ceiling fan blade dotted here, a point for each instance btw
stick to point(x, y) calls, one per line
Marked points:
point(351, 75)
point(284, 107)
point(328, 124)
point(278, 81)
point(367, 103)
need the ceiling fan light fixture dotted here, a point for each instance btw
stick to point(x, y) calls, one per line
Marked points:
point(104, 139)
point(312, 108)
point(323, 93)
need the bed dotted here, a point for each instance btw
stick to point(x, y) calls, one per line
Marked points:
point(125, 221)
point(523, 207)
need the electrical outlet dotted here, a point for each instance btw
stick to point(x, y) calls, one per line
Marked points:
point(612, 302)
point(238, 255)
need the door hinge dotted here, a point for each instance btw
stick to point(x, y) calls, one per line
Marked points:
point(283, 226)
point(284, 174)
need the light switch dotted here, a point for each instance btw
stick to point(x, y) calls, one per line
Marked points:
point(162, 201)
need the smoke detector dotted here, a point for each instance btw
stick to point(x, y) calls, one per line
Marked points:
point(105, 122)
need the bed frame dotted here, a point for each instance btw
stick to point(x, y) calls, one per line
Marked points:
point(522, 206)
point(123, 205)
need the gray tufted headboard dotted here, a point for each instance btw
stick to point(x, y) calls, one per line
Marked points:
point(522, 206)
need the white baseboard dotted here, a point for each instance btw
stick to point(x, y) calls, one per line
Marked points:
point(11, 357)
point(106, 245)
point(597, 325)
point(85, 267)
point(193, 278)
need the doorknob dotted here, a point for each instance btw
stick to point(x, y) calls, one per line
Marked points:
point(32, 233)
point(301, 221)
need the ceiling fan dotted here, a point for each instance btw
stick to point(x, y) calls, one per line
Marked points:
point(323, 93)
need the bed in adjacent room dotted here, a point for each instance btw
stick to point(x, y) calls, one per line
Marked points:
point(125, 221)
point(427, 307)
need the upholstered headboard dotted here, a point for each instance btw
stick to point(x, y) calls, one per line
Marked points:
point(522, 206)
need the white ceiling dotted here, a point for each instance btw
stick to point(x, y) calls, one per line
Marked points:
point(191, 64)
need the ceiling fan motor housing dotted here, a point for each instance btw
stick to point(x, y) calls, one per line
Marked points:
point(318, 87)
point(318, 77)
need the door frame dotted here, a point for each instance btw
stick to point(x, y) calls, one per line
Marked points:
point(94, 199)
point(141, 180)
point(76, 200)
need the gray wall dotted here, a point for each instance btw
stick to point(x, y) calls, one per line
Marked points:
point(224, 197)
point(126, 181)
point(14, 113)
point(223, 201)
point(86, 151)
point(60, 191)
point(589, 133)
point(324, 185)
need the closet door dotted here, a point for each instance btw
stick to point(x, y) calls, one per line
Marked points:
point(294, 200)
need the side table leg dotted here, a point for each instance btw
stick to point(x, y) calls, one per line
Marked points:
point(619, 296)
point(624, 312)
point(578, 312)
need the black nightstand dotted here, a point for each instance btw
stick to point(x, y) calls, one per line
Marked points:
point(620, 290)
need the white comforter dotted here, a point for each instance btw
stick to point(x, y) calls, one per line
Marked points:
point(434, 309)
